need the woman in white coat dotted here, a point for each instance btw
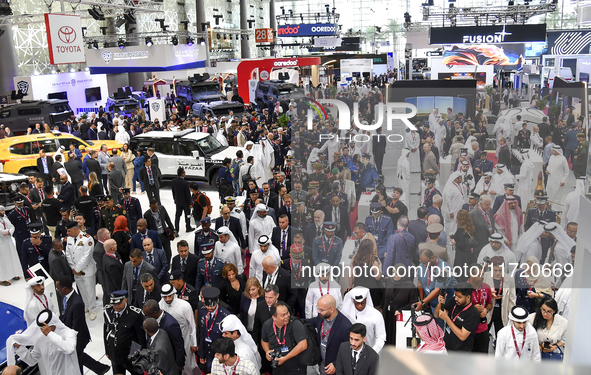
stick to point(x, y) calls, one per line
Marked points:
point(412, 141)
point(557, 171)
point(403, 173)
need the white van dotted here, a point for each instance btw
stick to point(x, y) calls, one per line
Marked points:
point(564, 72)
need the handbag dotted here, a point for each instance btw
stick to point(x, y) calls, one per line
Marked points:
point(554, 356)
point(170, 234)
point(471, 242)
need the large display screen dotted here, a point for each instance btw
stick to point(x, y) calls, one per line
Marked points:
point(485, 54)
point(480, 77)
point(488, 34)
point(93, 94)
point(58, 95)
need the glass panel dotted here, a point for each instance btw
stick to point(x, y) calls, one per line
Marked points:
point(21, 149)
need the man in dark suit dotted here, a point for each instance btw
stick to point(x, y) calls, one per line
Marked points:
point(355, 357)
point(137, 240)
point(93, 165)
point(338, 213)
point(152, 157)
point(484, 222)
point(186, 262)
point(314, 229)
point(338, 333)
point(68, 194)
point(418, 228)
point(55, 176)
point(157, 258)
point(74, 169)
point(92, 133)
point(44, 164)
point(132, 206)
point(132, 271)
point(504, 153)
point(150, 289)
point(500, 199)
point(182, 199)
point(159, 343)
point(269, 197)
point(72, 316)
point(116, 182)
point(158, 220)
point(233, 224)
point(150, 176)
point(84, 130)
point(112, 268)
point(262, 314)
point(58, 265)
point(281, 237)
point(273, 274)
point(169, 324)
point(37, 196)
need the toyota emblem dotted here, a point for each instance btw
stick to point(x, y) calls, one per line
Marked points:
point(67, 34)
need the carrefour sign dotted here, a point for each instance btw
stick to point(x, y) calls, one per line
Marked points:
point(314, 29)
point(64, 39)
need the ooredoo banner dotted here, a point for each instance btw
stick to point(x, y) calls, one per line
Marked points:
point(314, 29)
point(64, 39)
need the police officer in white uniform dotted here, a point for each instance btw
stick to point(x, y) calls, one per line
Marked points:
point(79, 250)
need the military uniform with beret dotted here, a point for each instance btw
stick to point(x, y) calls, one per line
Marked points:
point(108, 215)
point(318, 202)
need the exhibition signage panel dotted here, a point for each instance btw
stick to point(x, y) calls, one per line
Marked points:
point(488, 34)
point(64, 39)
point(327, 42)
point(263, 35)
point(159, 57)
point(314, 29)
point(157, 109)
point(569, 42)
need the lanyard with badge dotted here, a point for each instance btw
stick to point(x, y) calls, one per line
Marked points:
point(208, 339)
point(327, 290)
point(46, 304)
point(235, 367)
point(284, 348)
point(326, 252)
point(500, 292)
point(515, 341)
point(323, 335)
point(454, 319)
point(40, 256)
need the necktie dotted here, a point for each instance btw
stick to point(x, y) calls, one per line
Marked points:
point(136, 273)
point(144, 235)
point(149, 341)
point(41, 194)
point(150, 175)
point(318, 231)
point(283, 241)
point(354, 360)
point(151, 258)
point(336, 215)
point(64, 304)
point(225, 223)
point(183, 265)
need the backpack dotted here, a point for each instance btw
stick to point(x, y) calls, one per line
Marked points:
point(310, 356)
point(235, 169)
point(246, 178)
point(208, 207)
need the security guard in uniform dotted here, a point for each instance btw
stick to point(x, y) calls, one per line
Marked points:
point(210, 316)
point(123, 324)
point(315, 200)
point(209, 268)
point(286, 168)
point(184, 291)
point(328, 248)
point(319, 177)
point(273, 182)
point(299, 216)
point(581, 155)
point(380, 226)
point(132, 206)
point(109, 213)
point(300, 176)
point(539, 213)
point(335, 191)
point(61, 231)
point(20, 217)
point(204, 235)
point(36, 248)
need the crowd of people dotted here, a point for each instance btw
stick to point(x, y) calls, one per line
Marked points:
point(255, 292)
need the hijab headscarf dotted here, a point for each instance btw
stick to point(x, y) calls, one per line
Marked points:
point(431, 334)
point(121, 224)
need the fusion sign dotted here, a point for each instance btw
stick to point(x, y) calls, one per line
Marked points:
point(64, 38)
point(314, 29)
point(488, 34)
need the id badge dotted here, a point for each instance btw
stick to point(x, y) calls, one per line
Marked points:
point(448, 330)
point(284, 349)
point(208, 339)
point(497, 304)
point(325, 260)
point(40, 258)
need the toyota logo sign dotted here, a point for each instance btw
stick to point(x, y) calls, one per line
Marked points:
point(67, 34)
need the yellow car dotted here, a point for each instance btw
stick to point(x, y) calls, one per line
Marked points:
point(19, 154)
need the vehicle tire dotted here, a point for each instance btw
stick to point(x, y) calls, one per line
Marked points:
point(213, 179)
point(30, 171)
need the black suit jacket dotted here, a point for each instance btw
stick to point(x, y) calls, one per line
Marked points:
point(156, 174)
point(418, 228)
point(166, 223)
point(505, 156)
point(272, 202)
point(276, 237)
point(94, 166)
point(260, 317)
point(68, 195)
point(165, 358)
point(180, 192)
point(40, 164)
point(235, 228)
point(36, 198)
point(112, 274)
point(367, 364)
point(283, 282)
point(73, 317)
point(172, 327)
point(74, 169)
point(339, 333)
point(190, 275)
point(58, 266)
point(345, 224)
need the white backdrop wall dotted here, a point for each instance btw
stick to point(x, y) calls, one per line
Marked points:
point(438, 67)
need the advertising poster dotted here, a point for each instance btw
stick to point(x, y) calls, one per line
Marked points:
point(485, 54)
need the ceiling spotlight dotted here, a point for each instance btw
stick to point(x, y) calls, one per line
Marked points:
point(96, 13)
point(72, 70)
point(95, 45)
point(202, 41)
point(175, 40)
point(247, 37)
point(121, 43)
point(129, 17)
point(89, 45)
point(190, 41)
point(149, 41)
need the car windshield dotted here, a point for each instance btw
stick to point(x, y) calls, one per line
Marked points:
point(209, 145)
point(291, 90)
point(211, 86)
point(224, 111)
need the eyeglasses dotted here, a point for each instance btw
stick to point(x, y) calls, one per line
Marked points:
point(546, 312)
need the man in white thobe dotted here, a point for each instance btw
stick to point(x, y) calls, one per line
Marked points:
point(323, 284)
point(530, 244)
point(10, 267)
point(54, 346)
point(509, 221)
point(434, 119)
point(559, 252)
point(258, 173)
point(358, 307)
point(525, 178)
point(403, 173)
point(518, 339)
point(245, 347)
point(35, 299)
point(260, 225)
point(79, 249)
point(332, 146)
point(570, 214)
point(501, 178)
point(440, 134)
point(485, 186)
point(453, 200)
point(497, 247)
point(183, 313)
point(412, 141)
point(557, 171)
point(227, 249)
point(468, 182)
point(266, 249)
